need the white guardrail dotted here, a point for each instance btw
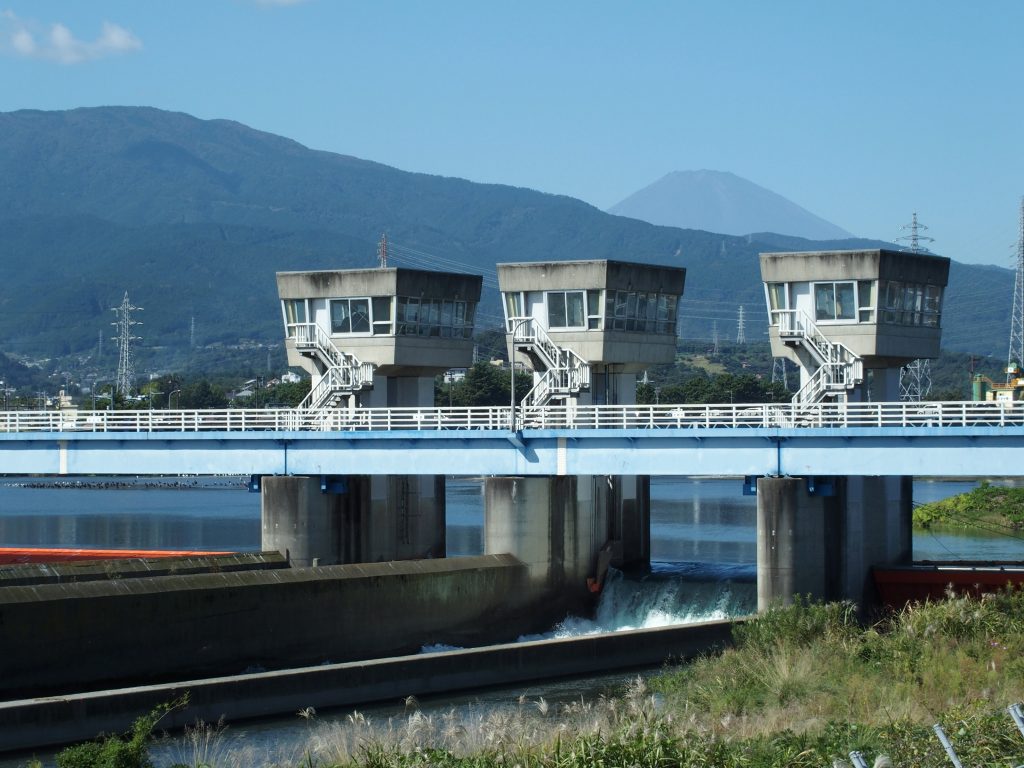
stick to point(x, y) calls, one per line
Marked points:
point(900, 414)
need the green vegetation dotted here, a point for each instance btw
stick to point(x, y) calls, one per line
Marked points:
point(802, 686)
point(484, 384)
point(130, 750)
point(987, 507)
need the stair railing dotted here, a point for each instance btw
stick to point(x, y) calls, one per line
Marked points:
point(565, 373)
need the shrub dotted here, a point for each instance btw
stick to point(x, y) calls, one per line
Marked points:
point(130, 750)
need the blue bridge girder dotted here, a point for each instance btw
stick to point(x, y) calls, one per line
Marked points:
point(933, 439)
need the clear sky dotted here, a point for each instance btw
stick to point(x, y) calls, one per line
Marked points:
point(862, 112)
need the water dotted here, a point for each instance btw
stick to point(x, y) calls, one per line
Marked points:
point(117, 513)
point(703, 544)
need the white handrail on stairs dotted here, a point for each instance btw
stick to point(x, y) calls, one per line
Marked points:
point(345, 373)
point(565, 373)
point(839, 367)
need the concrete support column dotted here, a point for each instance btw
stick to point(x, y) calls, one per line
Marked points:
point(397, 517)
point(876, 530)
point(553, 526)
point(403, 518)
point(627, 500)
point(300, 521)
point(793, 541)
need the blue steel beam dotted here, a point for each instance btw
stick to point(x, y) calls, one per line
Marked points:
point(922, 451)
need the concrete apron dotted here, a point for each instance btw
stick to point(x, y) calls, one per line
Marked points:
point(33, 723)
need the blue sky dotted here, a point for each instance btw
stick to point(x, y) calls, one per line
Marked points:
point(860, 112)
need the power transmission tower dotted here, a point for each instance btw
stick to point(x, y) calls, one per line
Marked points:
point(382, 250)
point(779, 372)
point(741, 336)
point(125, 363)
point(99, 346)
point(192, 333)
point(915, 380)
point(915, 376)
point(1016, 356)
point(915, 238)
point(714, 338)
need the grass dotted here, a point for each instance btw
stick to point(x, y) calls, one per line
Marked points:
point(802, 686)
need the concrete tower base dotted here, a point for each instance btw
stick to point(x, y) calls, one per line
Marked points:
point(549, 523)
point(400, 517)
point(824, 546)
point(794, 534)
point(568, 529)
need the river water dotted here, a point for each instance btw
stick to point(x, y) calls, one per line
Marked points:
point(703, 545)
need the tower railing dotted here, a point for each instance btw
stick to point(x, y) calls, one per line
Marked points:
point(344, 374)
point(839, 368)
point(564, 372)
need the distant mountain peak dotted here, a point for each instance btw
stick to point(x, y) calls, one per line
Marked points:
point(722, 202)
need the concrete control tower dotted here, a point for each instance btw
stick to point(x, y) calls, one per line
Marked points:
point(372, 338)
point(840, 314)
point(586, 329)
point(849, 319)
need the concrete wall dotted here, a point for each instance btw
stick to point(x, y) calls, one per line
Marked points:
point(587, 274)
point(61, 638)
point(38, 722)
point(342, 283)
point(872, 264)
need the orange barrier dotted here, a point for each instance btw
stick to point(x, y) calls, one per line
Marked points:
point(13, 555)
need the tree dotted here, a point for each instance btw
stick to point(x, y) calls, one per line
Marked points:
point(202, 394)
point(484, 384)
point(288, 394)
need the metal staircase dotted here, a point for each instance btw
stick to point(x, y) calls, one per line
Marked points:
point(343, 374)
point(562, 373)
point(839, 368)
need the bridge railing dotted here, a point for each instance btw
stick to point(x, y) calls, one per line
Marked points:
point(690, 416)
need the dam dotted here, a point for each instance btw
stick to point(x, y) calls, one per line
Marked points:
point(352, 482)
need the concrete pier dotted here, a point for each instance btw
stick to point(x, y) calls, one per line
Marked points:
point(302, 522)
point(551, 525)
point(824, 545)
point(792, 541)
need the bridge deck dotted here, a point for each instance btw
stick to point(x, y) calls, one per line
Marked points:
point(966, 438)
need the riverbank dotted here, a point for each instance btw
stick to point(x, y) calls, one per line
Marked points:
point(987, 509)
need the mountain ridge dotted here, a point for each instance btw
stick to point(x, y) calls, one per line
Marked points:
point(194, 217)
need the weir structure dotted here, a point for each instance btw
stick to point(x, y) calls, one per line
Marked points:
point(586, 329)
point(849, 320)
point(369, 338)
